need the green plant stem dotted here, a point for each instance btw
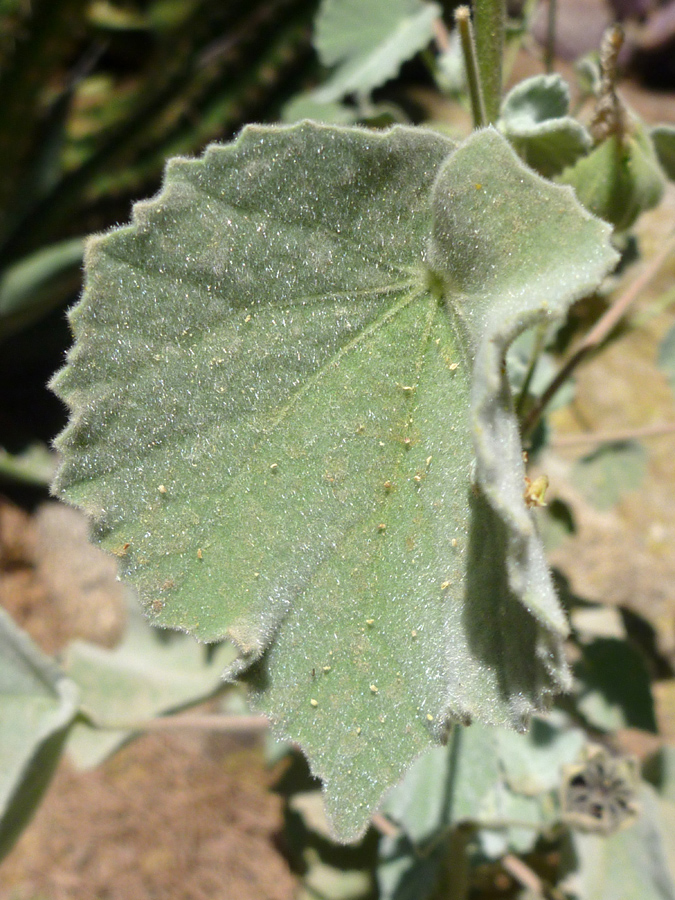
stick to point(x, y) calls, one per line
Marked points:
point(549, 51)
point(463, 20)
point(489, 22)
point(455, 873)
point(598, 334)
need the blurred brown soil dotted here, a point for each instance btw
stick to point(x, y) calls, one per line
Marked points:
point(180, 816)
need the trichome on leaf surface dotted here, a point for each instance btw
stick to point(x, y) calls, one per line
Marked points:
point(290, 419)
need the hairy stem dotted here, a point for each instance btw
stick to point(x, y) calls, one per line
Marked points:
point(489, 21)
point(463, 20)
point(549, 50)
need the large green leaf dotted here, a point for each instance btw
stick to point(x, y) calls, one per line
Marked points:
point(368, 42)
point(291, 420)
point(37, 706)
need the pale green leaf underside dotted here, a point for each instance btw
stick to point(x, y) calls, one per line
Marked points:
point(273, 407)
point(369, 41)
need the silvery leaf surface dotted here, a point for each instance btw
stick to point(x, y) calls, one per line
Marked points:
point(291, 421)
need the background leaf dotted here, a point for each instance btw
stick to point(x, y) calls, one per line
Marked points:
point(610, 471)
point(614, 691)
point(274, 413)
point(149, 674)
point(630, 863)
point(534, 118)
point(37, 707)
point(618, 180)
point(479, 778)
point(663, 138)
point(369, 41)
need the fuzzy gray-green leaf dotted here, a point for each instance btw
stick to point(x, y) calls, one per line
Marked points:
point(284, 370)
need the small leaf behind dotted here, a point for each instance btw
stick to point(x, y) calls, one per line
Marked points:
point(610, 471)
point(369, 41)
point(534, 119)
point(37, 707)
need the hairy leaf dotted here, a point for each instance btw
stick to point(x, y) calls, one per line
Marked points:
point(292, 422)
